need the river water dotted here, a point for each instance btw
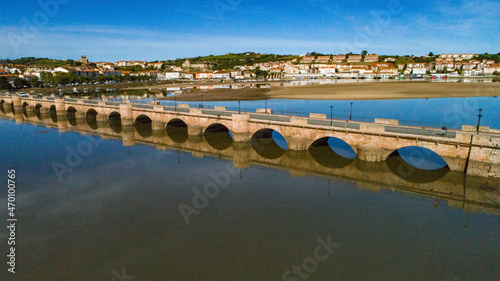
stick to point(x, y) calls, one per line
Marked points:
point(95, 203)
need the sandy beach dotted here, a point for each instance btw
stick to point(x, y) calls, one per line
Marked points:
point(352, 91)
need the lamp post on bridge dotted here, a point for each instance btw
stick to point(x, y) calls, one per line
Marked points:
point(350, 114)
point(239, 107)
point(175, 103)
point(331, 115)
point(479, 120)
point(201, 101)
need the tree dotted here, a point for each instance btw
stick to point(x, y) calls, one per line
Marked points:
point(4, 84)
point(431, 54)
point(47, 77)
point(21, 83)
point(34, 82)
point(495, 72)
point(364, 52)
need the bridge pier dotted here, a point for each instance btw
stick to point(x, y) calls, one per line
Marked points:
point(372, 153)
point(30, 111)
point(158, 126)
point(44, 112)
point(101, 118)
point(241, 128)
point(60, 107)
point(18, 106)
point(483, 161)
point(128, 135)
point(62, 123)
point(195, 138)
point(7, 108)
point(297, 144)
point(126, 114)
point(80, 115)
point(18, 115)
point(241, 155)
point(195, 130)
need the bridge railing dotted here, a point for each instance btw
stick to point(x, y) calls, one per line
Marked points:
point(91, 101)
point(176, 109)
point(145, 106)
point(334, 123)
point(418, 131)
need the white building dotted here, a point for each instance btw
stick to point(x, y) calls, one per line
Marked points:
point(327, 70)
point(169, 75)
point(187, 75)
point(221, 75)
point(418, 68)
point(60, 70)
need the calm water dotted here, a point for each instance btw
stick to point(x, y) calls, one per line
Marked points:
point(91, 208)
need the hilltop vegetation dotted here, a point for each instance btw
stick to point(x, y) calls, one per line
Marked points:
point(229, 61)
point(45, 62)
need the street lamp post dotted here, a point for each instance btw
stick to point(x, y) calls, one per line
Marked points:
point(175, 103)
point(239, 107)
point(479, 120)
point(265, 104)
point(350, 114)
point(331, 115)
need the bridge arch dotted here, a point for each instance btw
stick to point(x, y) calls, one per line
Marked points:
point(115, 121)
point(91, 113)
point(91, 117)
point(269, 143)
point(332, 152)
point(417, 164)
point(177, 130)
point(218, 136)
point(53, 113)
point(143, 125)
point(114, 115)
point(25, 112)
point(38, 112)
point(71, 115)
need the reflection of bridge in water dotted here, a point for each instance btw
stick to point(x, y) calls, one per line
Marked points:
point(462, 150)
point(470, 193)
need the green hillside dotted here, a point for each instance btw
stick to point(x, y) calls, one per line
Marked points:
point(45, 62)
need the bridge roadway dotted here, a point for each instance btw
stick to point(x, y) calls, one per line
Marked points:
point(474, 194)
point(463, 150)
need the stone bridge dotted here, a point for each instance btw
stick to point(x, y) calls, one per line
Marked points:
point(475, 194)
point(463, 150)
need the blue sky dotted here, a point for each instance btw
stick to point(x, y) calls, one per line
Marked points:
point(157, 30)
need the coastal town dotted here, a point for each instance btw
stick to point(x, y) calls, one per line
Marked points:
point(311, 65)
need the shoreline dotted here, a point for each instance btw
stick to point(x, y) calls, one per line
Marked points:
point(350, 91)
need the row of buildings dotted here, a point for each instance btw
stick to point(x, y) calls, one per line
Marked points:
point(339, 58)
point(344, 66)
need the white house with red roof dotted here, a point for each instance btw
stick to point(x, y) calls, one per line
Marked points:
point(371, 58)
point(418, 68)
point(354, 58)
